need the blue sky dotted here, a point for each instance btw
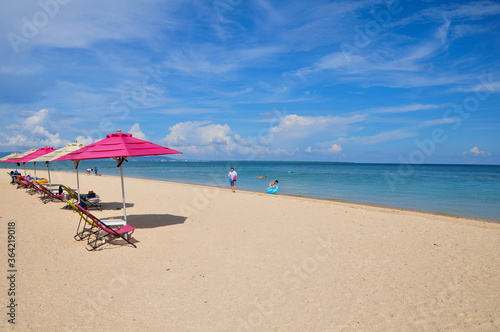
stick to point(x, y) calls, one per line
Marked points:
point(362, 81)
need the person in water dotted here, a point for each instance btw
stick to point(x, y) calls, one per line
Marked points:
point(272, 184)
point(262, 177)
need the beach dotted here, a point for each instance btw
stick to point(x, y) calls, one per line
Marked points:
point(208, 259)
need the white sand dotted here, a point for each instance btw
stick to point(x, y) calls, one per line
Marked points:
point(211, 260)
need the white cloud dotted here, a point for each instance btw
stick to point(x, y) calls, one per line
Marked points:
point(384, 136)
point(206, 59)
point(436, 122)
point(210, 140)
point(36, 124)
point(136, 132)
point(332, 149)
point(198, 133)
point(86, 140)
point(391, 67)
point(206, 139)
point(34, 132)
point(477, 153)
point(335, 148)
point(487, 87)
point(408, 108)
point(81, 24)
point(294, 126)
point(330, 62)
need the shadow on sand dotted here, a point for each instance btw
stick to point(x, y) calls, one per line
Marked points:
point(153, 220)
point(115, 205)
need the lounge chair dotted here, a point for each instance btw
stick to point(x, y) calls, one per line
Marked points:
point(34, 188)
point(97, 236)
point(86, 224)
point(70, 194)
point(51, 196)
point(88, 203)
point(22, 182)
point(13, 179)
point(47, 195)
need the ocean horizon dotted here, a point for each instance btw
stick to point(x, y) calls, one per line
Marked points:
point(463, 190)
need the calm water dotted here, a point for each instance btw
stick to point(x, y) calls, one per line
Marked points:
point(466, 190)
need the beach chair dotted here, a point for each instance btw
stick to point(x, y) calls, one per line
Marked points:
point(85, 226)
point(51, 196)
point(98, 238)
point(13, 179)
point(71, 193)
point(88, 203)
point(34, 188)
point(46, 195)
point(22, 182)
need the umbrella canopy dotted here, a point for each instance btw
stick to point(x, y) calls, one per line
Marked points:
point(14, 159)
point(33, 155)
point(10, 156)
point(118, 146)
point(57, 154)
point(51, 156)
point(38, 153)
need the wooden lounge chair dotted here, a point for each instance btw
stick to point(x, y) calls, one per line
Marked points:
point(104, 233)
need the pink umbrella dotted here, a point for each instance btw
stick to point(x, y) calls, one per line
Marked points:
point(11, 158)
point(118, 146)
point(38, 153)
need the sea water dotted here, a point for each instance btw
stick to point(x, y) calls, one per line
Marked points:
point(464, 190)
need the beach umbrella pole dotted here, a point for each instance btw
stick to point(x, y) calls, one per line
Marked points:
point(48, 170)
point(35, 169)
point(120, 161)
point(76, 162)
point(123, 195)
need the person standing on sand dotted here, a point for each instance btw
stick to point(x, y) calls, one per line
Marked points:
point(95, 169)
point(232, 179)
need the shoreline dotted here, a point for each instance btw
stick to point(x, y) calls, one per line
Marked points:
point(342, 201)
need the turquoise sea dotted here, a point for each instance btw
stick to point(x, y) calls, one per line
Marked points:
point(465, 190)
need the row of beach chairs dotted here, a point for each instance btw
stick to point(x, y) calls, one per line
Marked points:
point(97, 232)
